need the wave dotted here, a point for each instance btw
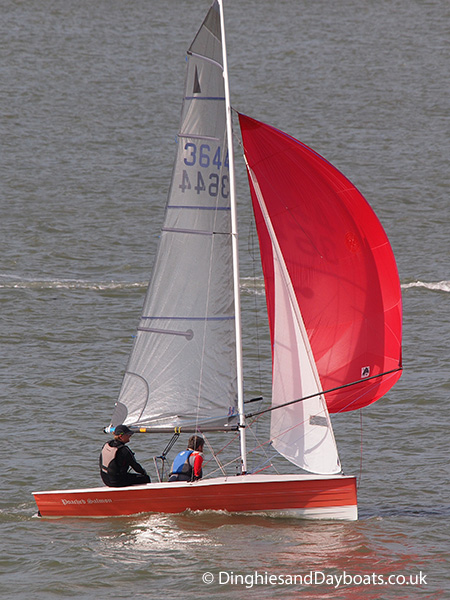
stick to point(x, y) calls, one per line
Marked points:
point(71, 284)
point(440, 286)
point(252, 286)
point(249, 285)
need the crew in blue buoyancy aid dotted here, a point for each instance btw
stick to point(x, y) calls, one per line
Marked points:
point(187, 465)
point(116, 459)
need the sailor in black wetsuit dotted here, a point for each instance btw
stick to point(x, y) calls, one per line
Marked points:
point(116, 458)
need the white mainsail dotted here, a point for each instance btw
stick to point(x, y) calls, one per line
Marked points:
point(182, 369)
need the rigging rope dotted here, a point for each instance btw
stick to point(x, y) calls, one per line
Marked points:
point(211, 449)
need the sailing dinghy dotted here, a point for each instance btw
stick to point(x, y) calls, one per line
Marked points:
point(334, 309)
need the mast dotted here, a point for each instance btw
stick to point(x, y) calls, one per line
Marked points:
point(235, 250)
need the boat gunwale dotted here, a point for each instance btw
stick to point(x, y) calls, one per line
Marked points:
point(228, 480)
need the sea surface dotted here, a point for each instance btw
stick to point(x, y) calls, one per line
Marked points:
point(90, 96)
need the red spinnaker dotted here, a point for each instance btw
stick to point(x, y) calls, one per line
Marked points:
point(339, 260)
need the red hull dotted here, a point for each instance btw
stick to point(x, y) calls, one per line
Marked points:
point(312, 496)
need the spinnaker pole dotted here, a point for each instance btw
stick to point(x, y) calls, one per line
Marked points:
point(235, 249)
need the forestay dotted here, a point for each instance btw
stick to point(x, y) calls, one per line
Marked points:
point(182, 369)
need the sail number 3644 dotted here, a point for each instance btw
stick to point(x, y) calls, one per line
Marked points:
point(202, 157)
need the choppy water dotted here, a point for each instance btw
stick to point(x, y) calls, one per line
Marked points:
point(89, 104)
